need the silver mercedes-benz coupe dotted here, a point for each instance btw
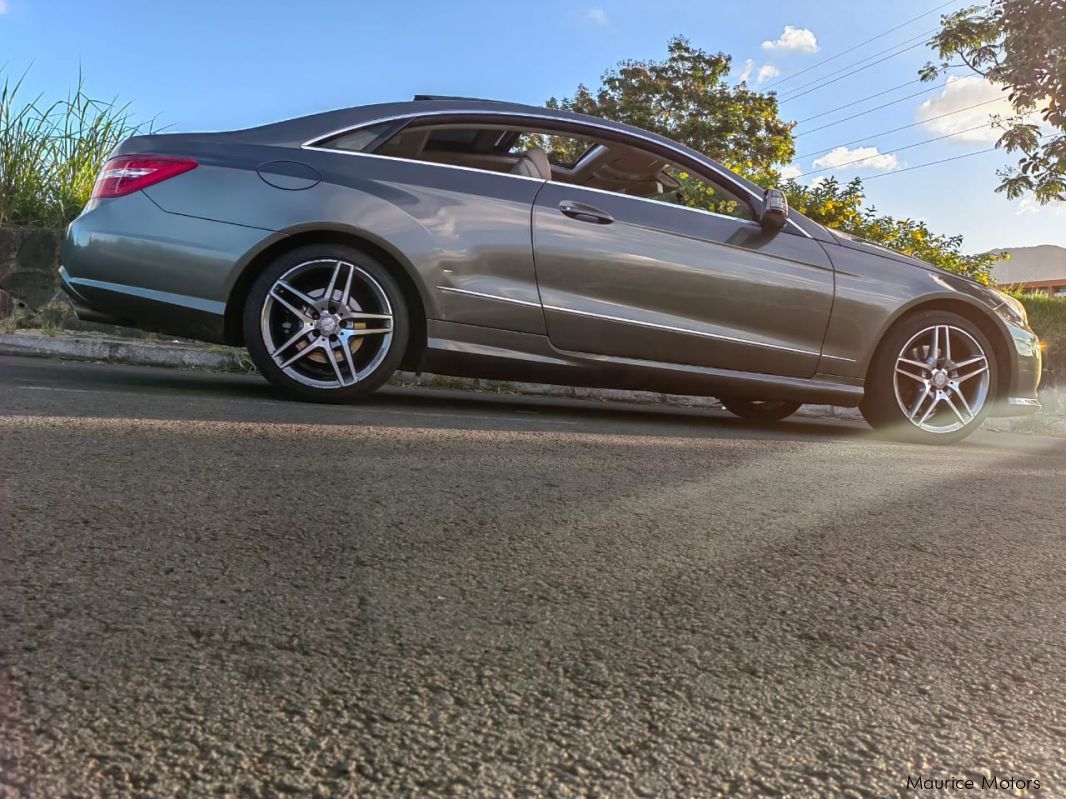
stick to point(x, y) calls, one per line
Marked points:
point(488, 239)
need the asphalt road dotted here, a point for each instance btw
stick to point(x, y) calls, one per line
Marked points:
point(209, 591)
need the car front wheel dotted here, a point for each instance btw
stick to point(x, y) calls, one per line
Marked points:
point(931, 380)
point(326, 323)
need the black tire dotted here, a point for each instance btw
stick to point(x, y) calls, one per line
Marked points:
point(760, 410)
point(380, 294)
point(883, 401)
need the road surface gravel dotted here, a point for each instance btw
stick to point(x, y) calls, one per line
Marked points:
point(209, 591)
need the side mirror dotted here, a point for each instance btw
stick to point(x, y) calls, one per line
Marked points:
point(774, 210)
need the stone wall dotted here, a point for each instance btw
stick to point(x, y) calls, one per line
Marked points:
point(29, 285)
point(29, 257)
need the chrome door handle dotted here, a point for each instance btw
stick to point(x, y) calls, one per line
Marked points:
point(585, 213)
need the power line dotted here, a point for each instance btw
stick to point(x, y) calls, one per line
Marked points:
point(869, 111)
point(897, 130)
point(860, 44)
point(856, 102)
point(931, 163)
point(912, 42)
point(944, 160)
point(890, 152)
point(849, 74)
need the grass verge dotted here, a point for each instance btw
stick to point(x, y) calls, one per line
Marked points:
point(1047, 317)
point(50, 153)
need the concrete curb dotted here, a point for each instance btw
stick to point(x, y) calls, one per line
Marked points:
point(136, 353)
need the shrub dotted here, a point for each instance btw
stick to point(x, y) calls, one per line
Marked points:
point(50, 154)
point(1047, 317)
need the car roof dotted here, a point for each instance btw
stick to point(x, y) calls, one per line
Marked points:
point(295, 132)
point(301, 130)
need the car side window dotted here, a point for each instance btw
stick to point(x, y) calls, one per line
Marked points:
point(358, 141)
point(493, 148)
point(629, 169)
point(562, 150)
point(620, 167)
point(692, 191)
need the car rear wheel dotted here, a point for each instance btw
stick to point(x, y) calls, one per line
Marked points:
point(760, 410)
point(931, 380)
point(326, 323)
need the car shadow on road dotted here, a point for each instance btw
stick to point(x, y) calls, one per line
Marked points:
point(594, 410)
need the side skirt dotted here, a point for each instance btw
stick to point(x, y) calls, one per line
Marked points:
point(471, 351)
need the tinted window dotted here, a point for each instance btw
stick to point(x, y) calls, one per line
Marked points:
point(692, 191)
point(453, 139)
point(564, 151)
point(358, 141)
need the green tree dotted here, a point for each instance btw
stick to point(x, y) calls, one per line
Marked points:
point(840, 206)
point(688, 98)
point(1020, 45)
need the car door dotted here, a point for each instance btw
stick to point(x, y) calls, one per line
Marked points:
point(637, 278)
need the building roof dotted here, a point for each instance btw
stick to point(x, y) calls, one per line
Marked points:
point(1031, 264)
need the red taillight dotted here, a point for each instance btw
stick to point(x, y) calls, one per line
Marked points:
point(130, 173)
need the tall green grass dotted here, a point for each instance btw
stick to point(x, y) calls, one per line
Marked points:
point(50, 153)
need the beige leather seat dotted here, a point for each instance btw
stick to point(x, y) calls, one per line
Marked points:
point(533, 163)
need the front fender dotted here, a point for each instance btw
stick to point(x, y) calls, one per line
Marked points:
point(873, 292)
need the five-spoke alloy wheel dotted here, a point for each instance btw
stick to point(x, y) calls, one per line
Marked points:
point(327, 323)
point(932, 379)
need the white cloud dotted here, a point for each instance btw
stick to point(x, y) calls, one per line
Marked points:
point(790, 171)
point(961, 93)
point(868, 158)
point(800, 40)
point(597, 16)
point(3, 6)
point(745, 72)
point(763, 74)
point(766, 72)
point(1029, 205)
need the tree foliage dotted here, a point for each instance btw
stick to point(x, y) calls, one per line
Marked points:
point(1021, 45)
point(840, 206)
point(688, 98)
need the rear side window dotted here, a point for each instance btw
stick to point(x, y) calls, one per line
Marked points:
point(358, 141)
point(461, 140)
point(562, 150)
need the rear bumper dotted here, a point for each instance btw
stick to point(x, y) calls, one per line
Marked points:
point(110, 303)
point(83, 308)
point(128, 262)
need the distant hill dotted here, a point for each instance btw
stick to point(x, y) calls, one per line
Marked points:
point(1045, 262)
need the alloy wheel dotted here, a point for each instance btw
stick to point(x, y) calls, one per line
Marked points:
point(942, 379)
point(327, 323)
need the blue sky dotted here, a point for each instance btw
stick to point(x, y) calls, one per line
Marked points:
point(226, 64)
